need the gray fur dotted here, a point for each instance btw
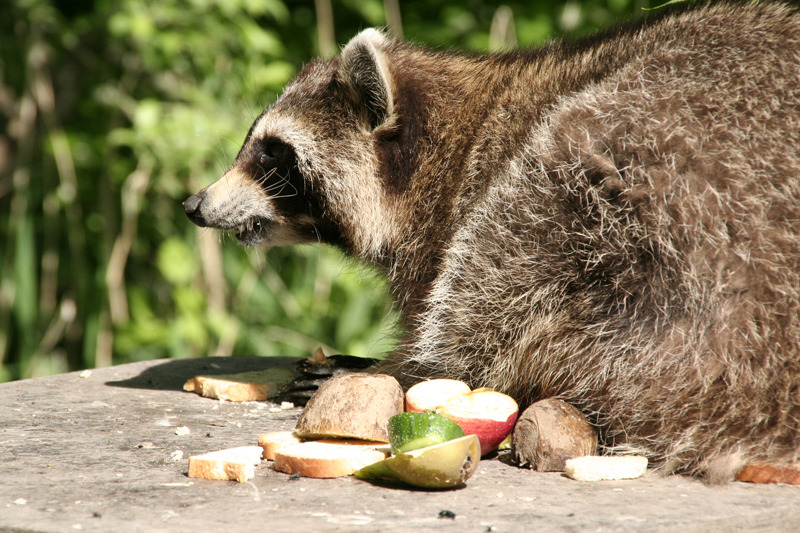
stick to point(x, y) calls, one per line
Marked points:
point(614, 222)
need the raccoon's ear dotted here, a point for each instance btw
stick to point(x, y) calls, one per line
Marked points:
point(364, 72)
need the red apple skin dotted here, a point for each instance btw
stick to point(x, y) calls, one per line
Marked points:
point(490, 432)
point(483, 412)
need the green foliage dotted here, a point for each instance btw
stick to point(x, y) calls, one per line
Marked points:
point(112, 112)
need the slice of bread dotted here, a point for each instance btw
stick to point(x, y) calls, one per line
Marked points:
point(329, 457)
point(253, 386)
point(234, 464)
point(274, 440)
point(596, 468)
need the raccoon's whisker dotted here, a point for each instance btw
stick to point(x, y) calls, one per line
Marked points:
point(263, 178)
point(280, 195)
point(282, 184)
point(277, 187)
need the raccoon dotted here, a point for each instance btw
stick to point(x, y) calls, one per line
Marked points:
point(613, 221)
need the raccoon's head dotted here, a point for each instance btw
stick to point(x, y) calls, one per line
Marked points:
point(310, 167)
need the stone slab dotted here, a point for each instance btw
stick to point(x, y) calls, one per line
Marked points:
point(100, 453)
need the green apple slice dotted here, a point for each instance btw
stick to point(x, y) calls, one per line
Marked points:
point(409, 431)
point(441, 466)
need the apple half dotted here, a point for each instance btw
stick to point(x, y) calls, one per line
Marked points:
point(486, 413)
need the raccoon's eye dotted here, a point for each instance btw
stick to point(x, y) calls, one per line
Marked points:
point(272, 154)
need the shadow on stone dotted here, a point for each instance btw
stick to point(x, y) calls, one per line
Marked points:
point(173, 373)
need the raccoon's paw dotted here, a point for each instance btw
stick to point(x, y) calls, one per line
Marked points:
point(316, 370)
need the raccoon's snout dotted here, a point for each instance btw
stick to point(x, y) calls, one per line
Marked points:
point(249, 229)
point(192, 208)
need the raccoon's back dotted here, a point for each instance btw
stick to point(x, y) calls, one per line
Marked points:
point(641, 256)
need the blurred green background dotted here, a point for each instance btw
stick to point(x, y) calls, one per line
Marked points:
point(113, 111)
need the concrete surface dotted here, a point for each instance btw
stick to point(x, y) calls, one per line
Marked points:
point(98, 453)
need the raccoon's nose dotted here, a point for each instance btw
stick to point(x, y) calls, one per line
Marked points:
point(192, 208)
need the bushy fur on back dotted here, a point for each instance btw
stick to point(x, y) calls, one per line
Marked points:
point(614, 222)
